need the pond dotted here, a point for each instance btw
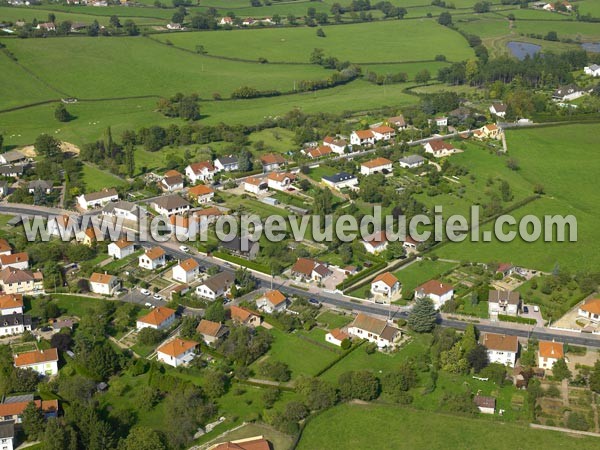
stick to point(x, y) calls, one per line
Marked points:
point(593, 47)
point(521, 49)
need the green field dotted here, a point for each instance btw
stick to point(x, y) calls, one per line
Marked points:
point(368, 426)
point(559, 159)
point(386, 42)
point(96, 179)
point(301, 356)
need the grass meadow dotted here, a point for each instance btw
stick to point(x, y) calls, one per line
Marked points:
point(368, 426)
point(559, 159)
point(387, 42)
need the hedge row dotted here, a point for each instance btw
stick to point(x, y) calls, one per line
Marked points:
point(516, 319)
point(242, 262)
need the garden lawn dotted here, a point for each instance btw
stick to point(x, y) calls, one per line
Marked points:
point(421, 271)
point(386, 426)
point(76, 14)
point(389, 41)
point(378, 362)
point(302, 357)
point(97, 179)
point(333, 320)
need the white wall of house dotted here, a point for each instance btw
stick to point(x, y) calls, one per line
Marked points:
point(46, 368)
point(371, 337)
point(117, 252)
point(173, 361)
point(179, 274)
point(502, 357)
point(104, 288)
point(146, 263)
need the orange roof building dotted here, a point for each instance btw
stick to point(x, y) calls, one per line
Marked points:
point(10, 303)
point(387, 278)
point(590, 309)
point(244, 316)
point(159, 318)
point(44, 362)
point(272, 301)
point(177, 352)
point(200, 190)
point(552, 349)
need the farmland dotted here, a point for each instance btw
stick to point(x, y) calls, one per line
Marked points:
point(385, 43)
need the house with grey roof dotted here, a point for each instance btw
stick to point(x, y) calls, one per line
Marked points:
point(412, 161)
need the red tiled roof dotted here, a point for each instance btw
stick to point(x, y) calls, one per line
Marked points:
point(36, 357)
point(275, 297)
point(387, 277)
point(435, 287)
point(377, 162)
point(157, 316)
point(551, 349)
point(592, 306)
point(177, 347)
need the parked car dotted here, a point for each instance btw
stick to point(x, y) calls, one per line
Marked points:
point(314, 302)
point(157, 297)
point(525, 309)
point(536, 308)
point(145, 292)
point(184, 248)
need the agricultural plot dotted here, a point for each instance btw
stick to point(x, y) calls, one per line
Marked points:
point(13, 14)
point(143, 67)
point(387, 42)
point(553, 158)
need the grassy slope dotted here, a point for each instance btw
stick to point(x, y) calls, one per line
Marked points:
point(377, 426)
point(387, 42)
point(12, 14)
point(124, 67)
point(559, 159)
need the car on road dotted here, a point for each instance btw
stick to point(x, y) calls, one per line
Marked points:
point(145, 292)
point(157, 297)
point(148, 305)
point(314, 302)
point(525, 309)
point(184, 248)
point(536, 308)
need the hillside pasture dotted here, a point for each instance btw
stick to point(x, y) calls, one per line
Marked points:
point(389, 41)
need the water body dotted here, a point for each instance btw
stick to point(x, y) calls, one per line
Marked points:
point(521, 49)
point(593, 47)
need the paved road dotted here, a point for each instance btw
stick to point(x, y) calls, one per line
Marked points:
point(337, 300)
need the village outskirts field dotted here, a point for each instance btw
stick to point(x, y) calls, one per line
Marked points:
point(118, 82)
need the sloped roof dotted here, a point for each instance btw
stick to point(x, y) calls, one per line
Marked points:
point(189, 264)
point(102, 278)
point(11, 301)
point(198, 167)
point(123, 243)
point(377, 162)
point(172, 201)
point(387, 278)
point(241, 314)
point(304, 266)
point(435, 287)
point(200, 190)
point(552, 349)
point(339, 334)
point(510, 297)
point(501, 342)
point(272, 158)
point(275, 297)
point(369, 323)
point(220, 281)
point(157, 316)
point(244, 444)
point(177, 347)
point(591, 306)
point(364, 134)
point(105, 193)
point(36, 357)
point(14, 258)
point(155, 253)
point(438, 145)
point(210, 328)
point(10, 275)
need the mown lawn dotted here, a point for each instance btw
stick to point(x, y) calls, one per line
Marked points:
point(420, 272)
point(302, 357)
point(333, 320)
point(387, 426)
point(97, 179)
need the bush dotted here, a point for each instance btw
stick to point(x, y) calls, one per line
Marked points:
point(577, 421)
point(346, 344)
point(370, 348)
point(517, 319)
point(553, 391)
point(149, 336)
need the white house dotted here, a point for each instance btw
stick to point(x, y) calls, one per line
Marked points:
point(171, 181)
point(39, 185)
point(498, 109)
point(104, 284)
point(272, 161)
point(590, 309)
point(13, 324)
point(216, 286)
point(549, 353)
point(159, 318)
point(340, 180)
point(318, 152)
point(255, 185)
point(186, 271)
point(16, 261)
point(383, 133)
point(386, 285)
point(121, 249)
point(123, 210)
point(337, 145)
point(376, 243)
point(567, 93)
point(5, 248)
point(486, 405)
point(336, 337)
point(374, 330)
point(177, 352)
point(280, 181)
point(44, 362)
point(377, 165)
point(174, 26)
point(272, 301)
point(11, 304)
point(200, 171)
point(437, 291)
point(96, 199)
point(362, 137)
point(397, 121)
point(501, 348)
point(152, 258)
point(441, 121)
point(169, 205)
point(226, 163)
point(411, 161)
point(593, 70)
point(226, 21)
point(439, 148)
point(201, 193)
point(503, 302)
